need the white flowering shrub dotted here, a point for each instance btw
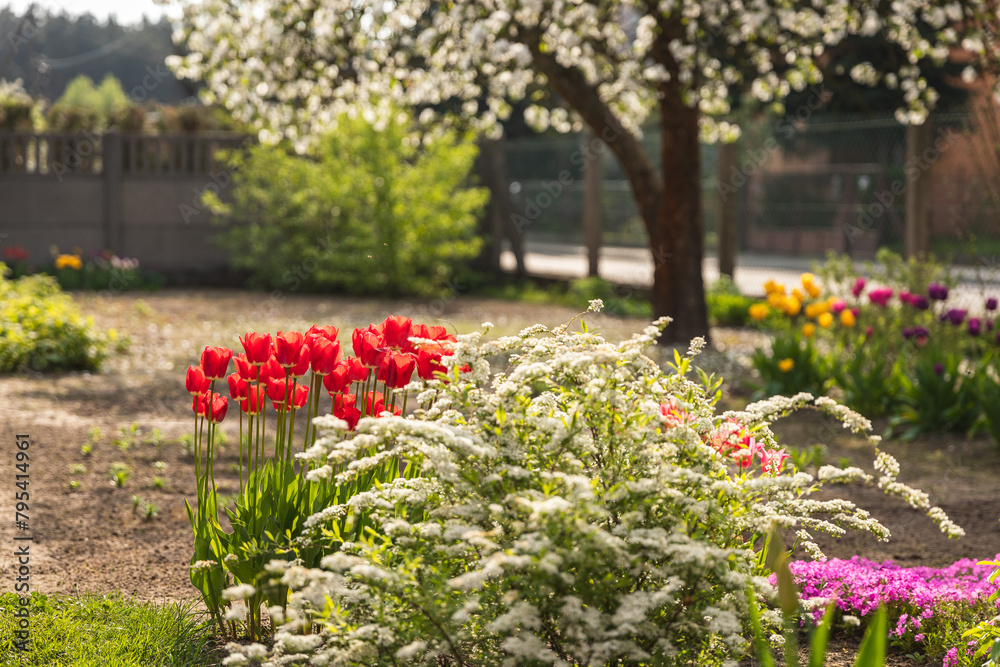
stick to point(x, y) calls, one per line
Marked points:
point(577, 506)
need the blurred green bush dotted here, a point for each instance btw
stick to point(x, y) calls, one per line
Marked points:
point(41, 328)
point(368, 211)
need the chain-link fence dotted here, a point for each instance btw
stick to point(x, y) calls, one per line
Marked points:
point(801, 190)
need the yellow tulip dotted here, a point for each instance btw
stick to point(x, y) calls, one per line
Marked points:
point(825, 320)
point(847, 318)
point(807, 279)
point(813, 290)
point(816, 309)
point(808, 329)
point(786, 365)
point(792, 306)
point(758, 311)
point(772, 287)
point(799, 294)
point(71, 261)
point(776, 301)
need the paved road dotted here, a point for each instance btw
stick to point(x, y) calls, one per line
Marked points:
point(634, 266)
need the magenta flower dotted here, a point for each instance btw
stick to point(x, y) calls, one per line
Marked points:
point(956, 315)
point(859, 586)
point(837, 307)
point(974, 326)
point(919, 302)
point(937, 291)
point(991, 303)
point(859, 286)
point(880, 296)
point(950, 658)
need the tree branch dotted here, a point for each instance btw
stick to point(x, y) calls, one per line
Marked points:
point(573, 87)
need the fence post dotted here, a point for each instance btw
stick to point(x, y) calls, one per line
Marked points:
point(918, 191)
point(592, 177)
point(728, 204)
point(114, 214)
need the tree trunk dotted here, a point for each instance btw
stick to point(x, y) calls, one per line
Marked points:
point(499, 221)
point(592, 177)
point(678, 286)
point(917, 239)
point(669, 203)
point(727, 212)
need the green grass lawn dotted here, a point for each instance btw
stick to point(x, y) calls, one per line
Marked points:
point(104, 631)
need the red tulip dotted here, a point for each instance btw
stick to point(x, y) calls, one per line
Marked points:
point(328, 332)
point(272, 369)
point(396, 331)
point(344, 400)
point(220, 404)
point(245, 368)
point(237, 387)
point(277, 390)
point(369, 346)
point(287, 347)
point(356, 370)
point(396, 369)
point(375, 404)
point(258, 347)
point(253, 404)
point(349, 414)
point(429, 363)
point(301, 396)
point(431, 333)
point(215, 362)
point(195, 382)
point(301, 366)
point(338, 379)
point(325, 355)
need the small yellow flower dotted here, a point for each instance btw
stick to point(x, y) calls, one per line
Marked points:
point(71, 261)
point(771, 287)
point(813, 290)
point(758, 311)
point(808, 329)
point(816, 309)
point(786, 365)
point(799, 294)
point(792, 306)
point(776, 301)
point(847, 318)
point(825, 320)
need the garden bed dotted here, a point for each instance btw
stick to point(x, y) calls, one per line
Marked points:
point(94, 539)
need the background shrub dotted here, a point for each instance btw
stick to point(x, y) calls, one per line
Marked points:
point(367, 212)
point(42, 330)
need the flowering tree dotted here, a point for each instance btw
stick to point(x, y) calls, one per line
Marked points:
point(291, 67)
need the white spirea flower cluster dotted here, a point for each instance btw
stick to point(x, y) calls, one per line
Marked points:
point(292, 68)
point(577, 509)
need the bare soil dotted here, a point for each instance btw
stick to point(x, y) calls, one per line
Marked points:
point(92, 539)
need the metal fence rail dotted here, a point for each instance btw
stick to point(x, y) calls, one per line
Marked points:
point(802, 189)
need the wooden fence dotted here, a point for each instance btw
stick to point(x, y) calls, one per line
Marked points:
point(138, 195)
